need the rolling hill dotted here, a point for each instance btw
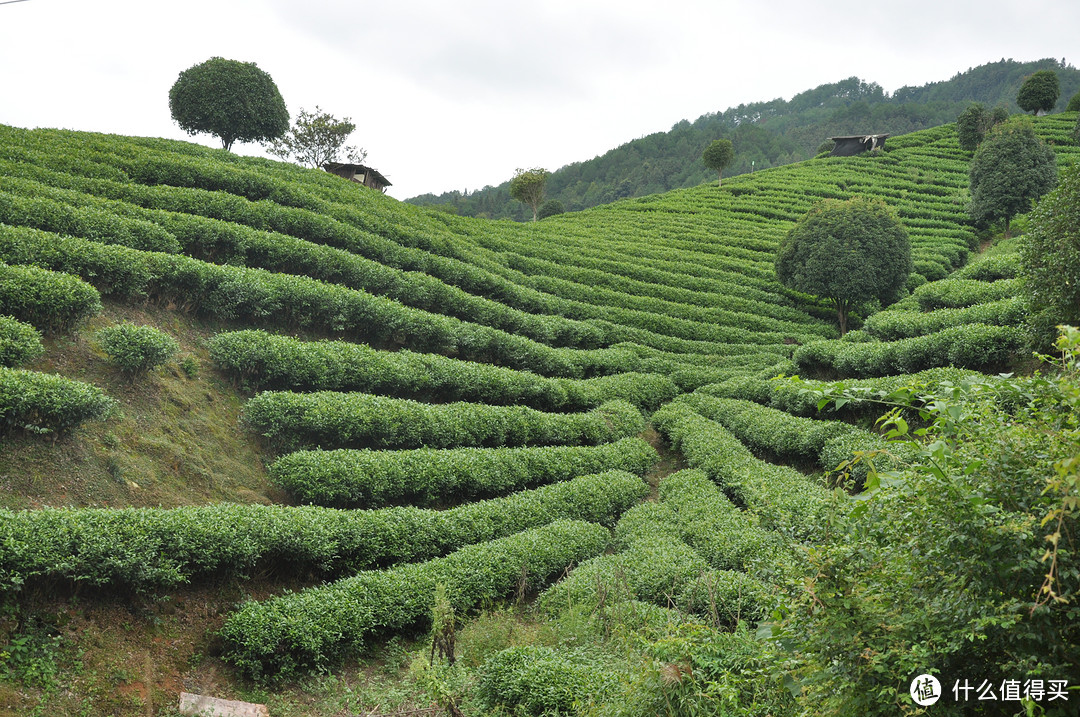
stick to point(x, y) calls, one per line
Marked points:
point(765, 134)
point(375, 404)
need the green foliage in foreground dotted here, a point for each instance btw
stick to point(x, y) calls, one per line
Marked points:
point(426, 476)
point(538, 680)
point(311, 630)
point(964, 565)
point(136, 349)
point(48, 300)
point(19, 342)
point(152, 548)
point(47, 403)
point(360, 420)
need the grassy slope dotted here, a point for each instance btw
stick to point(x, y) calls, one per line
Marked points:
point(177, 440)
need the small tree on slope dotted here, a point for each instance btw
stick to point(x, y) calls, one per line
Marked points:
point(528, 186)
point(717, 156)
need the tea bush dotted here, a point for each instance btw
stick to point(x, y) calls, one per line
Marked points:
point(425, 476)
point(136, 349)
point(19, 343)
point(46, 403)
point(308, 631)
point(360, 420)
point(48, 300)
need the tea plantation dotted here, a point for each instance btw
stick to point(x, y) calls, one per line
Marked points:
point(567, 434)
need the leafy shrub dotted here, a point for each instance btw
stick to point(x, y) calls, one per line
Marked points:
point(537, 680)
point(798, 398)
point(664, 571)
point(893, 325)
point(350, 478)
point(693, 509)
point(146, 548)
point(261, 360)
point(958, 293)
point(974, 346)
point(46, 403)
point(768, 429)
point(136, 349)
point(784, 498)
point(360, 420)
point(991, 268)
point(49, 300)
point(312, 629)
point(59, 211)
point(1050, 259)
point(19, 342)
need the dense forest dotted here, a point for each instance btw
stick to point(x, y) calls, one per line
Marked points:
point(764, 134)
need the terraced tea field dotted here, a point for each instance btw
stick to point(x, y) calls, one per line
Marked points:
point(376, 402)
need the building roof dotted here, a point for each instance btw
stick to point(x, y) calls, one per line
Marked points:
point(339, 167)
point(848, 145)
point(860, 137)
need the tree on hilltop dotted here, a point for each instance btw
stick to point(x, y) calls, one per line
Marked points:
point(528, 187)
point(1011, 169)
point(717, 156)
point(850, 253)
point(229, 99)
point(317, 138)
point(1040, 92)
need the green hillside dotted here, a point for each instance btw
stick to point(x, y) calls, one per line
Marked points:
point(564, 430)
point(764, 134)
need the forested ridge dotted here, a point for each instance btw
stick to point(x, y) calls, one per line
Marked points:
point(764, 134)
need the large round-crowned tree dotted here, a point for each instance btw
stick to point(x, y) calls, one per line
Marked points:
point(851, 253)
point(1040, 92)
point(1010, 171)
point(229, 99)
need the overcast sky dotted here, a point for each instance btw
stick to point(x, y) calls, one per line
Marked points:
point(456, 95)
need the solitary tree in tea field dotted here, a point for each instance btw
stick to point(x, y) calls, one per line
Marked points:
point(229, 99)
point(850, 253)
point(528, 187)
point(717, 156)
point(317, 138)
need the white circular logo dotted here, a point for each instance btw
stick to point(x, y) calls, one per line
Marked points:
point(925, 690)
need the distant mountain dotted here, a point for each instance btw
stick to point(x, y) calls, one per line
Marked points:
point(765, 134)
